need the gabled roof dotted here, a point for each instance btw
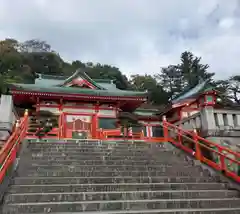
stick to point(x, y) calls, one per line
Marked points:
point(52, 80)
point(80, 77)
point(75, 90)
point(188, 96)
point(76, 85)
point(49, 80)
point(193, 92)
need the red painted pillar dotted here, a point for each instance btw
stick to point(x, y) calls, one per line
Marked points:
point(94, 128)
point(64, 127)
point(60, 120)
point(95, 122)
point(148, 131)
point(198, 153)
point(165, 129)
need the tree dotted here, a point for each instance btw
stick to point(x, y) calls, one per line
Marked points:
point(44, 62)
point(193, 70)
point(171, 80)
point(234, 88)
point(142, 83)
point(10, 59)
point(99, 71)
point(147, 82)
point(34, 46)
point(190, 71)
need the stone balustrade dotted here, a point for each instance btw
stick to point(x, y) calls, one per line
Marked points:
point(190, 123)
point(7, 117)
point(227, 119)
point(218, 125)
point(212, 119)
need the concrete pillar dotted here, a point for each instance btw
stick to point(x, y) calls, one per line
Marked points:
point(219, 118)
point(230, 121)
point(238, 119)
point(207, 118)
point(6, 113)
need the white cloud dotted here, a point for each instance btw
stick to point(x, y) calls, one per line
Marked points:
point(227, 23)
point(139, 36)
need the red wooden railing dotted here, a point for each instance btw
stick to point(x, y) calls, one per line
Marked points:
point(9, 151)
point(222, 157)
point(116, 134)
point(111, 133)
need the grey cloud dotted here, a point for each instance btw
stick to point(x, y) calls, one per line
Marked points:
point(138, 36)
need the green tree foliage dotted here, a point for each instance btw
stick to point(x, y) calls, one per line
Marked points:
point(148, 83)
point(193, 70)
point(171, 80)
point(99, 71)
point(20, 62)
point(185, 75)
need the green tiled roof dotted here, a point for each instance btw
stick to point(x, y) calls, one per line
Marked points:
point(103, 81)
point(54, 84)
point(72, 90)
point(144, 113)
point(83, 75)
point(51, 77)
point(52, 80)
point(198, 89)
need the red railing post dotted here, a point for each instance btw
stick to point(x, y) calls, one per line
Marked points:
point(94, 126)
point(222, 159)
point(26, 121)
point(60, 125)
point(165, 128)
point(179, 131)
point(198, 153)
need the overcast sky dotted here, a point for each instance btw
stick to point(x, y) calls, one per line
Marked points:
point(138, 36)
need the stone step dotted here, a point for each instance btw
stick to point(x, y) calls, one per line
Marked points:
point(175, 163)
point(104, 171)
point(105, 153)
point(89, 180)
point(38, 145)
point(104, 157)
point(41, 143)
point(52, 188)
point(98, 148)
point(114, 205)
point(71, 172)
point(79, 168)
point(95, 150)
point(162, 211)
point(118, 195)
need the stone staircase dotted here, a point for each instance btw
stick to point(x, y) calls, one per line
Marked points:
point(93, 177)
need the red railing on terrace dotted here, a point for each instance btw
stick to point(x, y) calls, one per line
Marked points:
point(116, 134)
point(9, 151)
point(214, 155)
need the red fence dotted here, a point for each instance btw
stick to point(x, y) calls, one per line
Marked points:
point(116, 134)
point(214, 155)
point(9, 151)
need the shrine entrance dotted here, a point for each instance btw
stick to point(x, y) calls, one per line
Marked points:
point(77, 126)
